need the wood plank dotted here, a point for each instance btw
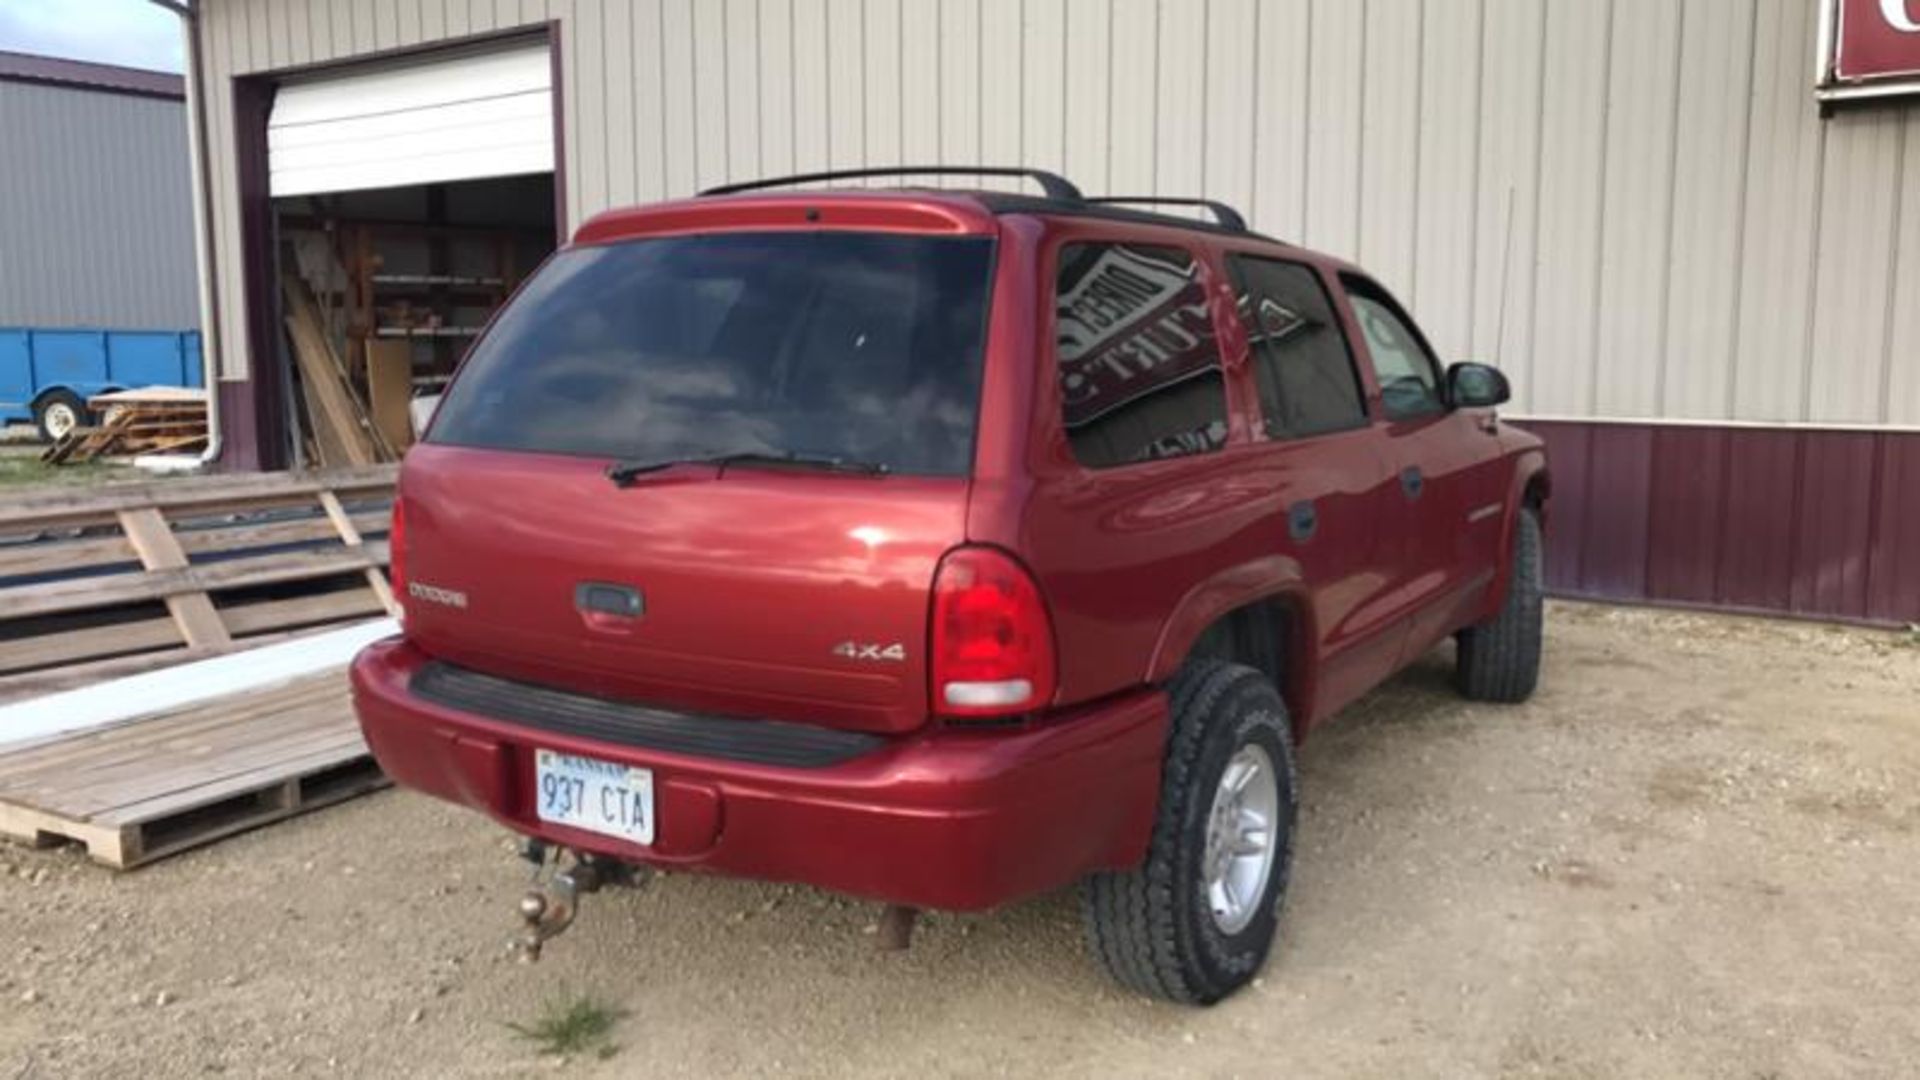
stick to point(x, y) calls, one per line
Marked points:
point(47, 509)
point(92, 643)
point(184, 769)
point(152, 539)
point(376, 577)
point(139, 735)
point(105, 590)
point(259, 616)
point(340, 423)
point(269, 532)
point(46, 556)
point(389, 388)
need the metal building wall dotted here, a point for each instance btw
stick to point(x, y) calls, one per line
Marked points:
point(1632, 204)
point(96, 219)
point(1701, 289)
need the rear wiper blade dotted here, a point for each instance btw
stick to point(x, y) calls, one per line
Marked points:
point(623, 472)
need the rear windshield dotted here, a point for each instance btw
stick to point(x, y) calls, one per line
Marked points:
point(865, 346)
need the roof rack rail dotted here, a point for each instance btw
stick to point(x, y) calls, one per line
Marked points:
point(1225, 215)
point(1055, 185)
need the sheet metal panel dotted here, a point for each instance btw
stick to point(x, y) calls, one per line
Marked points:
point(1893, 568)
point(1636, 214)
point(1686, 513)
point(96, 218)
point(1619, 479)
point(1643, 188)
point(1806, 521)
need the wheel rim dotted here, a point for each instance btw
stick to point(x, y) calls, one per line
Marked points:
point(60, 419)
point(1240, 840)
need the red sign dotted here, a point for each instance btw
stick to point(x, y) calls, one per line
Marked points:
point(1870, 48)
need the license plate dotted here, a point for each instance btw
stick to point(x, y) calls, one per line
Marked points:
point(598, 796)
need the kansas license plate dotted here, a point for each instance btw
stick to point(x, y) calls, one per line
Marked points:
point(598, 796)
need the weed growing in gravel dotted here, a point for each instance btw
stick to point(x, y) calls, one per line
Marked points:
point(572, 1025)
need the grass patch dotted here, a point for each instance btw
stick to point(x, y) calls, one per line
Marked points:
point(572, 1025)
point(21, 468)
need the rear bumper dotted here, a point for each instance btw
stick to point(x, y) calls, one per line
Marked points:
point(941, 819)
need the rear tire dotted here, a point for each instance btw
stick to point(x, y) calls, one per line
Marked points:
point(58, 413)
point(1197, 919)
point(1499, 660)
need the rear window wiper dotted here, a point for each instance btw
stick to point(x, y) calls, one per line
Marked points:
point(623, 472)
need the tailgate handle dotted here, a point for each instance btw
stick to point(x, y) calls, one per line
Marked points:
point(605, 598)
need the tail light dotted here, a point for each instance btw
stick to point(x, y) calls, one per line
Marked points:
point(992, 637)
point(397, 556)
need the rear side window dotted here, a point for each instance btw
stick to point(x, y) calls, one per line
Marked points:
point(1138, 359)
point(864, 346)
point(1300, 357)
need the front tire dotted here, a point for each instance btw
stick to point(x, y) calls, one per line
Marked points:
point(58, 413)
point(1197, 919)
point(1499, 660)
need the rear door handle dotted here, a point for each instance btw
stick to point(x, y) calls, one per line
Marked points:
point(1302, 521)
point(1412, 481)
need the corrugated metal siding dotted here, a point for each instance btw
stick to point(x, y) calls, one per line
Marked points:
point(96, 218)
point(1822, 523)
point(1632, 204)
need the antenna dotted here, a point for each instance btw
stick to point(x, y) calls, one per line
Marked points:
point(1506, 248)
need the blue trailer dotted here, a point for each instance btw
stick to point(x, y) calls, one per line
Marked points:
point(46, 376)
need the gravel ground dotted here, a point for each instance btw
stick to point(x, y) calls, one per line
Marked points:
point(1695, 853)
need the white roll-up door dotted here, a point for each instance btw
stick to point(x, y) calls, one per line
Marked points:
point(461, 117)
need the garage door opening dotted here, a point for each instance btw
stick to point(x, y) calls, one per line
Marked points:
point(408, 200)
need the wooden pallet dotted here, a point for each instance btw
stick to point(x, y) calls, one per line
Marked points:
point(149, 788)
point(131, 576)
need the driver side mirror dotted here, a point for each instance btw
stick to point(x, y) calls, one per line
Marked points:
point(1476, 386)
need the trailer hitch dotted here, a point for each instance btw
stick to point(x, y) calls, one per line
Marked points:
point(547, 910)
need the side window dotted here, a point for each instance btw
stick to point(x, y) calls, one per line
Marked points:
point(1300, 356)
point(1139, 363)
point(1409, 378)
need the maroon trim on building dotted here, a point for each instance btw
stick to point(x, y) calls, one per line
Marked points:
point(81, 75)
point(255, 428)
point(1798, 521)
point(557, 77)
point(239, 427)
point(267, 379)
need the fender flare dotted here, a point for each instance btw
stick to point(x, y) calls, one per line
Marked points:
point(1530, 465)
point(1271, 577)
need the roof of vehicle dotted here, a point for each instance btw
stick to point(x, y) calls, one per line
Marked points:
point(941, 209)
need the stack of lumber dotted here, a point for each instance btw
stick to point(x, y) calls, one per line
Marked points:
point(139, 791)
point(129, 577)
point(156, 419)
point(340, 425)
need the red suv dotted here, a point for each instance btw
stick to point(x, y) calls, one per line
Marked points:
point(944, 548)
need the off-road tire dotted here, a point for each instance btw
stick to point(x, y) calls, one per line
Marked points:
point(55, 400)
point(1152, 926)
point(1499, 660)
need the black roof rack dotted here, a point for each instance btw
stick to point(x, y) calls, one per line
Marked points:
point(1227, 216)
point(1055, 185)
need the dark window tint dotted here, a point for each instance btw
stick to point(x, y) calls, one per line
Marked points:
point(1409, 378)
point(864, 346)
point(1139, 362)
point(1300, 357)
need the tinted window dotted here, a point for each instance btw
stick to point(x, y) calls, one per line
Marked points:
point(1409, 380)
point(1300, 357)
point(1139, 362)
point(865, 346)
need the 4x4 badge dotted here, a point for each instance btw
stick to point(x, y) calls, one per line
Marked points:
point(870, 650)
